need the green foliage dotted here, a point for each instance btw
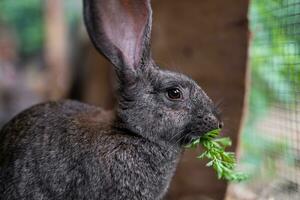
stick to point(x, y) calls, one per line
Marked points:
point(214, 150)
point(26, 19)
point(274, 53)
point(275, 80)
point(263, 153)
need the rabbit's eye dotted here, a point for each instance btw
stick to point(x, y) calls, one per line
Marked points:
point(174, 93)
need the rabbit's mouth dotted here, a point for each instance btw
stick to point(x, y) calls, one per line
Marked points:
point(187, 139)
point(202, 125)
point(191, 135)
point(193, 132)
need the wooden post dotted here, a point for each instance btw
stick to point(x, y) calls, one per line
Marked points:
point(56, 55)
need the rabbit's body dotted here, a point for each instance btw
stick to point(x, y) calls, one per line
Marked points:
point(69, 150)
point(94, 158)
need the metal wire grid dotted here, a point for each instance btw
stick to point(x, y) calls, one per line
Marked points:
point(275, 62)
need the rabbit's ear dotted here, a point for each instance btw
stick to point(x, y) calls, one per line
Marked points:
point(120, 29)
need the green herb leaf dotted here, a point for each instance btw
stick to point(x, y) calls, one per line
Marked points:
point(214, 150)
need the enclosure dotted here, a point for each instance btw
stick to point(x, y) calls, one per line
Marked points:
point(270, 137)
point(244, 54)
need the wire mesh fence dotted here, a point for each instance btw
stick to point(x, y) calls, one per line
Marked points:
point(270, 149)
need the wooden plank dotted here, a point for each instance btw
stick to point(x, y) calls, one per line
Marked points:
point(207, 40)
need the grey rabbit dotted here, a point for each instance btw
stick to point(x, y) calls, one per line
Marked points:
point(68, 150)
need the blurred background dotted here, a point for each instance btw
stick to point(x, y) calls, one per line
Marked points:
point(270, 138)
point(45, 54)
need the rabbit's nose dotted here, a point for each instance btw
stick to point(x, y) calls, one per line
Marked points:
point(212, 121)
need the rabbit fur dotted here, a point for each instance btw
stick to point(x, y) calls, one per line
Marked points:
point(70, 150)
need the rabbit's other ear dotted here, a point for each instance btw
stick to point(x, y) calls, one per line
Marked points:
point(120, 29)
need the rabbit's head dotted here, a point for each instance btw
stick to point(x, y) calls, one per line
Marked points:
point(153, 103)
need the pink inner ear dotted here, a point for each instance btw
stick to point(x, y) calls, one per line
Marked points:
point(124, 23)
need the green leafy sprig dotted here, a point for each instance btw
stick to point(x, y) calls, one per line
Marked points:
point(214, 150)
